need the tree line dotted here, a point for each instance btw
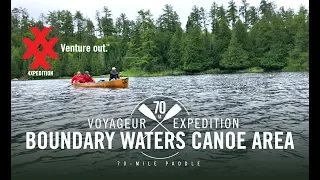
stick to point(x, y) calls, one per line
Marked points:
point(223, 38)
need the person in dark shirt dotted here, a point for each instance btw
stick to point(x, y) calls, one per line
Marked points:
point(113, 74)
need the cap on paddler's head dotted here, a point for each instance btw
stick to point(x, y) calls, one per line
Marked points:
point(113, 68)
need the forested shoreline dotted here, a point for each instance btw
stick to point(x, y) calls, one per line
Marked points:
point(215, 39)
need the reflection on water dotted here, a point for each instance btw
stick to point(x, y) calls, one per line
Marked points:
point(262, 102)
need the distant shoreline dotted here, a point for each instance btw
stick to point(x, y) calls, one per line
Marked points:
point(169, 73)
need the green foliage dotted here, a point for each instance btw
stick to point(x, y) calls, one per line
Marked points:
point(221, 41)
point(212, 71)
point(251, 70)
point(299, 55)
point(276, 57)
point(232, 12)
point(235, 57)
point(194, 51)
point(175, 52)
point(240, 32)
point(241, 39)
point(255, 70)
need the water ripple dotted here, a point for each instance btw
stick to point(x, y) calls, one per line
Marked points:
point(262, 102)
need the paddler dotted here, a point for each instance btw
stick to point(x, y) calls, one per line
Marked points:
point(87, 77)
point(78, 78)
point(113, 74)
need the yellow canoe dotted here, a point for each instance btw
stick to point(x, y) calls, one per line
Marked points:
point(119, 83)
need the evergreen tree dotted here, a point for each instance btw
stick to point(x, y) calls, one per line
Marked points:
point(107, 22)
point(194, 50)
point(175, 53)
point(221, 41)
point(232, 12)
point(276, 57)
point(213, 16)
point(299, 55)
point(244, 11)
point(235, 57)
point(263, 36)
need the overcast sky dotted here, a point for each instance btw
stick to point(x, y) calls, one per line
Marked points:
point(131, 7)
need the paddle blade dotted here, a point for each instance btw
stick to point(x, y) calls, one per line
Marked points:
point(147, 112)
point(172, 112)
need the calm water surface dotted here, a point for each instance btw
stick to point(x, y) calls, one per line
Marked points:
point(262, 102)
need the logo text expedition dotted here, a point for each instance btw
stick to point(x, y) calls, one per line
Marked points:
point(40, 56)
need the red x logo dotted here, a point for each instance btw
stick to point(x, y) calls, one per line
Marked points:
point(40, 39)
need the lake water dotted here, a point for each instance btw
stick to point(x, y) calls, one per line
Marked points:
point(261, 102)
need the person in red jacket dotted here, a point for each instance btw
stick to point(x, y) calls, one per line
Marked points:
point(87, 77)
point(78, 78)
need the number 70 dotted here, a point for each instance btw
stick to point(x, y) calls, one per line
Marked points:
point(161, 106)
